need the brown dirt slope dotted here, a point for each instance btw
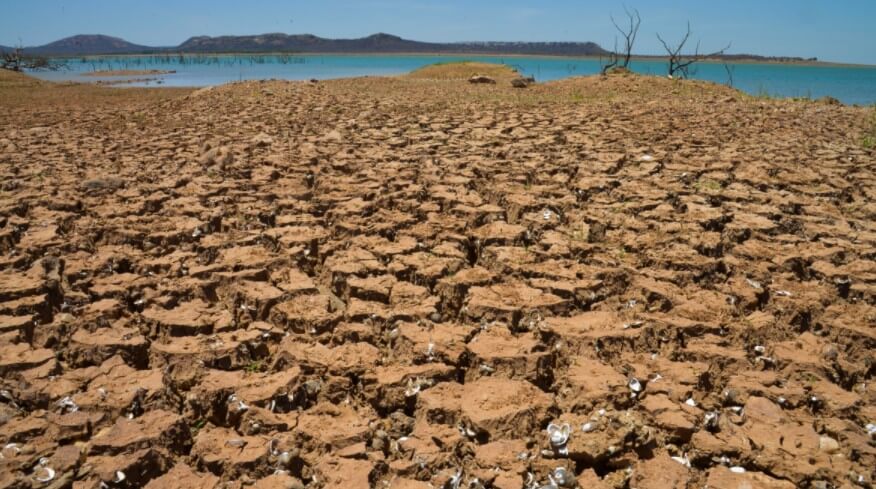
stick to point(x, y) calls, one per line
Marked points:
point(621, 282)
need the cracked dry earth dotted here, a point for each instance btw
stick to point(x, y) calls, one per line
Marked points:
point(404, 283)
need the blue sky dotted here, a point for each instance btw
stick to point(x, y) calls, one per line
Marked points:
point(837, 30)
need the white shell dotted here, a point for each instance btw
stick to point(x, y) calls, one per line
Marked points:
point(559, 434)
point(682, 460)
point(49, 474)
point(635, 385)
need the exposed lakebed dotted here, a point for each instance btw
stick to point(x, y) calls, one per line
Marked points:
point(620, 282)
point(850, 84)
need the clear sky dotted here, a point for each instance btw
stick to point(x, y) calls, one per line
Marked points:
point(834, 30)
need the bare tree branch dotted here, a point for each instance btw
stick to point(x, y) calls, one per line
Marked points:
point(612, 59)
point(629, 34)
point(679, 63)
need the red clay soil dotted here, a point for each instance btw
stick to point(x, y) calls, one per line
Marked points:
point(416, 282)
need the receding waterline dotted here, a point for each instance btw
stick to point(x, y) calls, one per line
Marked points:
point(850, 84)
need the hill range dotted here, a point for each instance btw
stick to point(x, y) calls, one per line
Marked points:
point(96, 44)
point(84, 45)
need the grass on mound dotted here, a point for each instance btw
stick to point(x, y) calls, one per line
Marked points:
point(19, 90)
point(463, 70)
point(868, 140)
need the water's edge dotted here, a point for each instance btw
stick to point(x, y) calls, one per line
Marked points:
point(851, 84)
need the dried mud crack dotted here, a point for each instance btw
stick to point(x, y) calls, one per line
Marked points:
point(620, 282)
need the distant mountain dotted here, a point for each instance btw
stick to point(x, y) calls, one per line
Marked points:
point(377, 43)
point(88, 44)
point(307, 43)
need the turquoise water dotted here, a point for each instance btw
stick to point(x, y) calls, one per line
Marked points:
point(852, 85)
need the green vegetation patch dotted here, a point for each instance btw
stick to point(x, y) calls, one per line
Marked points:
point(868, 140)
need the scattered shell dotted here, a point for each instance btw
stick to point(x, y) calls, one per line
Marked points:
point(754, 284)
point(635, 385)
point(690, 402)
point(284, 459)
point(241, 406)
point(559, 434)
point(588, 427)
point(455, 481)
point(737, 469)
point(42, 472)
point(413, 388)
point(119, 477)
point(759, 348)
point(871, 429)
point(547, 214)
point(10, 450)
point(647, 158)
point(683, 460)
point(67, 405)
point(783, 293)
point(466, 431)
point(710, 420)
point(563, 477)
point(235, 443)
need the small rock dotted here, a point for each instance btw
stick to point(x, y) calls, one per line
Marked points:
point(262, 139)
point(828, 445)
point(830, 352)
point(482, 79)
point(520, 83)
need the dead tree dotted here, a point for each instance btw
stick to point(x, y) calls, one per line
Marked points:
point(629, 34)
point(612, 59)
point(680, 63)
point(18, 61)
point(729, 69)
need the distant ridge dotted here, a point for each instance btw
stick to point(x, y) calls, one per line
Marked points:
point(96, 44)
point(377, 43)
point(84, 45)
point(87, 44)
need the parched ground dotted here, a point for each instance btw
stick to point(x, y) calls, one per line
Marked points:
point(414, 282)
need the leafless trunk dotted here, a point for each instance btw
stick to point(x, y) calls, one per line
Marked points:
point(680, 63)
point(612, 59)
point(629, 34)
point(729, 71)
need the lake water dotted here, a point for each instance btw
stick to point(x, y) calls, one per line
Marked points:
point(852, 85)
